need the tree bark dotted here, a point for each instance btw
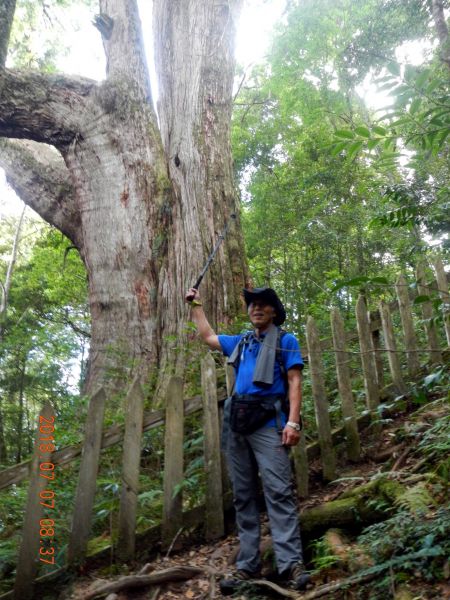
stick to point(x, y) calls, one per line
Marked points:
point(195, 65)
point(40, 178)
point(7, 8)
point(143, 214)
point(440, 23)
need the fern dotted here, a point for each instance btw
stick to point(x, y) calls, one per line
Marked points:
point(415, 499)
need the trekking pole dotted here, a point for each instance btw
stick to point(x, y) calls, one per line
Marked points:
point(214, 252)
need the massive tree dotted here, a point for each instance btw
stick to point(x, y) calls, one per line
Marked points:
point(141, 198)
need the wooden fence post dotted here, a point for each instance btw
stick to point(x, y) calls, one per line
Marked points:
point(391, 348)
point(173, 461)
point(427, 312)
point(30, 545)
point(441, 278)
point(87, 480)
point(409, 333)
point(300, 457)
point(378, 356)
point(130, 471)
point(230, 382)
point(321, 405)
point(214, 494)
point(345, 387)
point(367, 357)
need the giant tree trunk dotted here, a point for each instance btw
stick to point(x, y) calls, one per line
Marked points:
point(143, 228)
point(195, 64)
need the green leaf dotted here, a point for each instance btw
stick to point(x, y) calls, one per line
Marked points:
point(363, 132)
point(434, 83)
point(371, 144)
point(415, 105)
point(421, 299)
point(344, 133)
point(379, 130)
point(356, 281)
point(336, 148)
point(422, 77)
point(393, 68)
point(353, 149)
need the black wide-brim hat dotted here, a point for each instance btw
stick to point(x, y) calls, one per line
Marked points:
point(268, 295)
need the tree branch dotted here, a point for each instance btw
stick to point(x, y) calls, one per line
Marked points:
point(40, 178)
point(44, 108)
point(120, 26)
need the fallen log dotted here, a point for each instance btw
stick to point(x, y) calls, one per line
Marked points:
point(353, 509)
point(139, 581)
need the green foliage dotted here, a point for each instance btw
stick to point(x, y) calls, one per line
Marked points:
point(39, 33)
point(435, 440)
point(193, 484)
point(436, 382)
point(416, 544)
point(415, 499)
point(45, 334)
point(313, 216)
point(322, 555)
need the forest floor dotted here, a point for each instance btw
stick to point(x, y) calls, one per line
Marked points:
point(393, 453)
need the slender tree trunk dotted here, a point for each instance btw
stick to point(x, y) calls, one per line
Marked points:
point(7, 8)
point(20, 415)
point(3, 450)
point(440, 23)
point(5, 288)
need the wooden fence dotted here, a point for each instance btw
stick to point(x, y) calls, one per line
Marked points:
point(36, 543)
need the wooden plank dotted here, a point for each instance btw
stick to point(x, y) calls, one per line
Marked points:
point(31, 543)
point(345, 387)
point(427, 311)
point(442, 284)
point(130, 470)
point(409, 333)
point(87, 481)
point(173, 462)
point(214, 493)
point(367, 355)
point(391, 348)
point(321, 405)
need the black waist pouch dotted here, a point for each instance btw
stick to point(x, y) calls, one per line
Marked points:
point(249, 413)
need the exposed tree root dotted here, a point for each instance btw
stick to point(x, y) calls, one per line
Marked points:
point(317, 593)
point(138, 581)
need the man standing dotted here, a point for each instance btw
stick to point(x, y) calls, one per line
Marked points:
point(264, 422)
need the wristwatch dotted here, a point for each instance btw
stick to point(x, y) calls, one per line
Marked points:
point(296, 426)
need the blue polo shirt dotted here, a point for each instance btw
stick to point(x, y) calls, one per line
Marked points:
point(290, 355)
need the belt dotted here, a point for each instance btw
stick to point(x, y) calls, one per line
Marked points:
point(269, 397)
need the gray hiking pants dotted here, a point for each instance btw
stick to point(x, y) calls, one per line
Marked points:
point(247, 455)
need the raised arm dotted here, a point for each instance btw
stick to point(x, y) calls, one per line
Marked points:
point(204, 329)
